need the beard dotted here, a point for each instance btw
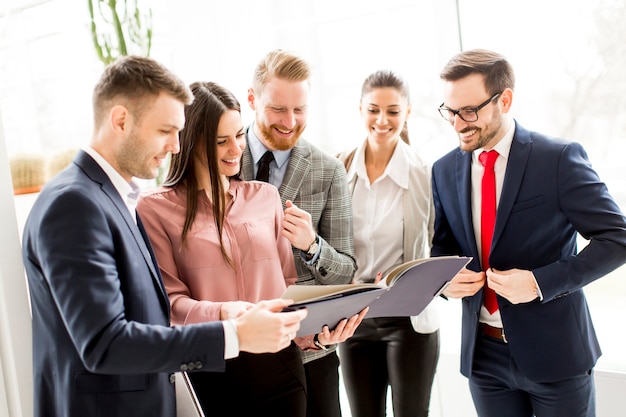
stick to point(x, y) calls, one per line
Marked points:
point(134, 160)
point(485, 137)
point(279, 144)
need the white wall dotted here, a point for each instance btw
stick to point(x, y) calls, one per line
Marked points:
point(450, 396)
point(15, 329)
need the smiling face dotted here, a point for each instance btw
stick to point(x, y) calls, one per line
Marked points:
point(491, 125)
point(384, 111)
point(231, 141)
point(280, 112)
point(150, 138)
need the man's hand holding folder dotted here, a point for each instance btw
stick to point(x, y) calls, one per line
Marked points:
point(405, 291)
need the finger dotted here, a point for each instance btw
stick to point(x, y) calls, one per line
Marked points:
point(289, 203)
point(287, 234)
point(340, 326)
point(288, 227)
point(289, 219)
point(274, 305)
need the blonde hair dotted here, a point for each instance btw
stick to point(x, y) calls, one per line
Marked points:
point(280, 64)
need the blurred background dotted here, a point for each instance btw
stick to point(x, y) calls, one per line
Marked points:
point(568, 57)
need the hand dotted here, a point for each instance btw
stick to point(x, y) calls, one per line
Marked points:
point(344, 330)
point(464, 284)
point(516, 285)
point(264, 328)
point(298, 227)
point(234, 309)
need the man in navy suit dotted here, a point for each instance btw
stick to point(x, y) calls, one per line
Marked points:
point(102, 343)
point(533, 353)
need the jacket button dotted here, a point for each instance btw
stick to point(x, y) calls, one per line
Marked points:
point(183, 367)
point(172, 378)
point(198, 365)
point(323, 271)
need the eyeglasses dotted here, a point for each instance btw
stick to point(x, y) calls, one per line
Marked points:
point(467, 114)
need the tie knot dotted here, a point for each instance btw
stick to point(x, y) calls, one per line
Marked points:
point(266, 158)
point(263, 172)
point(488, 159)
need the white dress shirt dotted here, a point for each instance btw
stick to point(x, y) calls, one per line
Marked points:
point(378, 216)
point(502, 147)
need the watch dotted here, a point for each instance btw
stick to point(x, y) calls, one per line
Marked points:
point(310, 253)
point(316, 342)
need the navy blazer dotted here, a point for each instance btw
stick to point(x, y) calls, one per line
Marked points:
point(550, 192)
point(102, 345)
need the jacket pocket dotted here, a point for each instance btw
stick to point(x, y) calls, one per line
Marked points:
point(527, 204)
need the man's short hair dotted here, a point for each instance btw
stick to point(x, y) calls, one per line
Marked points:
point(135, 82)
point(280, 64)
point(497, 72)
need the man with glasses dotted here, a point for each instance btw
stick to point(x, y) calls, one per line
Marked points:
point(514, 200)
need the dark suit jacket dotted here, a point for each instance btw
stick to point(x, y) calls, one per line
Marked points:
point(316, 182)
point(550, 192)
point(102, 344)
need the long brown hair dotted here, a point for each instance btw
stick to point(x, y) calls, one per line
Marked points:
point(199, 134)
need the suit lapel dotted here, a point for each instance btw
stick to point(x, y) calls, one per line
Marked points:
point(515, 168)
point(246, 172)
point(95, 172)
point(297, 170)
point(152, 260)
point(464, 187)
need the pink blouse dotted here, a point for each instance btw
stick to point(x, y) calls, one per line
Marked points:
point(197, 278)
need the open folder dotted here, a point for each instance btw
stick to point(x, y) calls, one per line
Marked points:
point(404, 291)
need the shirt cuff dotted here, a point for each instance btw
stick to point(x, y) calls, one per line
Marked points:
point(315, 257)
point(231, 340)
point(537, 289)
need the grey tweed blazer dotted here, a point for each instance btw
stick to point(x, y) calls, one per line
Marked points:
point(316, 182)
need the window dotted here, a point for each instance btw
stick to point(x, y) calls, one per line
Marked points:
point(568, 57)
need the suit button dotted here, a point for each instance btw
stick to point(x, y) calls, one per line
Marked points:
point(172, 378)
point(198, 365)
point(191, 366)
point(183, 367)
point(323, 271)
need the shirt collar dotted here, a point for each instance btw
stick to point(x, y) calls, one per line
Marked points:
point(503, 147)
point(257, 149)
point(126, 189)
point(397, 169)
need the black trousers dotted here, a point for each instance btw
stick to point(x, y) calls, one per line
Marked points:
point(270, 384)
point(322, 381)
point(500, 389)
point(388, 352)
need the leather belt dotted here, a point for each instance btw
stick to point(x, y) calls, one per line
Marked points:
point(492, 332)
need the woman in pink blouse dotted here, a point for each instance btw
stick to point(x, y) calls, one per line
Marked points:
point(219, 246)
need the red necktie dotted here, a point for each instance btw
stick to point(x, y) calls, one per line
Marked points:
point(488, 220)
